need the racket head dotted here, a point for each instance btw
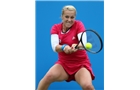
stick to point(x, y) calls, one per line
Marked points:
point(92, 37)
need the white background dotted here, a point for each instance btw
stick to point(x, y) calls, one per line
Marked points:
point(17, 44)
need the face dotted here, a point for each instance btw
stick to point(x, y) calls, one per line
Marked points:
point(68, 18)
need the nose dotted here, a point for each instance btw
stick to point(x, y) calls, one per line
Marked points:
point(69, 19)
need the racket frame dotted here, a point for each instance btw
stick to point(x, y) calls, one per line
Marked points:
point(80, 41)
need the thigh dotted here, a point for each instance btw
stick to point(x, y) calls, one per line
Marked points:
point(83, 77)
point(56, 73)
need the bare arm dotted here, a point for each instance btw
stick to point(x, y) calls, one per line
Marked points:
point(58, 48)
point(67, 49)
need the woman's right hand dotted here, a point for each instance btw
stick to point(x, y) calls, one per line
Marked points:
point(68, 49)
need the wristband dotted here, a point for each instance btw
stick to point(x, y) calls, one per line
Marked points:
point(63, 46)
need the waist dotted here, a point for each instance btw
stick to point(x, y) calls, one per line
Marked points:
point(76, 56)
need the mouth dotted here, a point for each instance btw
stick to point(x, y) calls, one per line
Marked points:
point(68, 23)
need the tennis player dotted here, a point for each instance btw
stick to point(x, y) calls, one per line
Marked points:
point(72, 64)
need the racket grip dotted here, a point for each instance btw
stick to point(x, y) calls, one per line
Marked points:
point(76, 47)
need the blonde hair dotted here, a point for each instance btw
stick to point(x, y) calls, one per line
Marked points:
point(68, 7)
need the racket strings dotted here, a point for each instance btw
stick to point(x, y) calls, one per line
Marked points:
point(94, 39)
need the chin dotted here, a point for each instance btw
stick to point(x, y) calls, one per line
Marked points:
point(68, 26)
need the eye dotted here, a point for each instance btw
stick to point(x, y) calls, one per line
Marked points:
point(72, 17)
point(66, 16)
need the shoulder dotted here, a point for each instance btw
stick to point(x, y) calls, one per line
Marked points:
point(55, 28)
point(58, 25)
point(79, 26)
point(79, 23)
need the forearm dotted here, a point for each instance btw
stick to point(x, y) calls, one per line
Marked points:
point(58, 48)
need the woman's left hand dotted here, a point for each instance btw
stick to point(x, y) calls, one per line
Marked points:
point(73, 47)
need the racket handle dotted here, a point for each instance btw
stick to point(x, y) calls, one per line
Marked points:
point(76, 47)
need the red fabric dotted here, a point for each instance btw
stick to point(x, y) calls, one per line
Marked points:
point(72, 62)
point(71, 69)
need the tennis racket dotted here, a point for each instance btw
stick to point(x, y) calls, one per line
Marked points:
point(93, 38)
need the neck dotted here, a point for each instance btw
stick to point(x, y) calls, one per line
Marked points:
point(65, 29)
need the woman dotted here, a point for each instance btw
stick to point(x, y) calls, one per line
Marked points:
point(72, 64)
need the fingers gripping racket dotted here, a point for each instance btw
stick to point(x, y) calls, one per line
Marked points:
point(90, 41)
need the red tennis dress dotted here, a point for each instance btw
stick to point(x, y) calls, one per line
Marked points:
point(72, 62)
